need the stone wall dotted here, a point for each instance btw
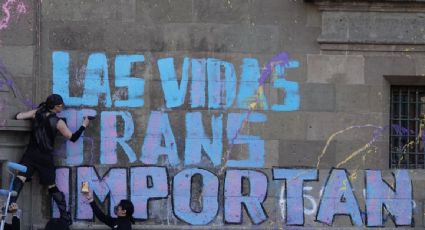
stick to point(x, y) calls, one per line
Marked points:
point(225, 114)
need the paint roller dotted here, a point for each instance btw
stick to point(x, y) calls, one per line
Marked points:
point(16, 166)
point(5, 192)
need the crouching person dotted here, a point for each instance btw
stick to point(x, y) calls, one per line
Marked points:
point(56, 224)
point(124, 211)
point(16, 223)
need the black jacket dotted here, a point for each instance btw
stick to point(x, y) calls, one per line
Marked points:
point(15, 224)
point(120, 223)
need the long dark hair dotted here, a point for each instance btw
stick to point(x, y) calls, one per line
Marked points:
point(51, 101)
point(44, 136)
point(128, 206)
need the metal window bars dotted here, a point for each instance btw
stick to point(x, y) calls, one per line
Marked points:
point(407, 132)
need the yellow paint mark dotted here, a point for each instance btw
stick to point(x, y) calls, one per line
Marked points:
point(340, 132)
point(257, 100)
point(253, 105)
point(344, 187)
point(353, 176)
point(368, 145)
point(355, 153)
point(260, 91)
point(414, 142)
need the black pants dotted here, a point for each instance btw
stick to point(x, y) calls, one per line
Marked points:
point(44, 167)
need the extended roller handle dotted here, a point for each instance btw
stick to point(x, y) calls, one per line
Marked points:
point(5, 192)
point(16, 166)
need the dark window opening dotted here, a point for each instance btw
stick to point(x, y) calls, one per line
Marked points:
point(407, 132)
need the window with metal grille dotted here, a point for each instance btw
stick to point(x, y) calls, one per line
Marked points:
point(407, 136)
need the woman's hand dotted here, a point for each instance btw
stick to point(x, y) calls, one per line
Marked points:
point(13, 208)
point(86, 122)
point(88, 195)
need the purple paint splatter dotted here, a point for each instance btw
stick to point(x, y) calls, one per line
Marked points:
point(7, 7)
point(280, 59)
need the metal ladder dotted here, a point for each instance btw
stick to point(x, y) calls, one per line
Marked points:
point(11, 167)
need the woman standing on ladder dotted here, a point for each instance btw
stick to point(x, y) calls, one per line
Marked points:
point(39, 153)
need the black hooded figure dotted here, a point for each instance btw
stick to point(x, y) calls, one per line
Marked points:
point(124, 211)
point(56, 224)
point(38, 156)
point(16, 222)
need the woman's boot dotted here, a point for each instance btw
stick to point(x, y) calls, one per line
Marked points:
point(59, 198)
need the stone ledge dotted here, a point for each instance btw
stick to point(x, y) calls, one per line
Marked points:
point(370, 5)
point(15, 125)
point(183, 227)
point(80, 226)
point(347, 46)
point(371, 28)
point(141, 226)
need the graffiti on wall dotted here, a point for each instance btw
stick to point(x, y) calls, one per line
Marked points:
point(7, 10)
point(7, 84)
point(147, 183)
point(157, 170)
point(214, 86)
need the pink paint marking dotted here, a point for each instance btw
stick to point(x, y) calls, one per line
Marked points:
point(7, 7)
point(109, 134)
point(4, 23)
point(21, 8)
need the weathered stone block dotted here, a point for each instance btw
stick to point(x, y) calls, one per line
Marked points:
point(163, 11)
point(306, 154)
point(133, 37)
point(352, 98)
point(298, 39)
point(420, 66)
point(226, 38)
point(314, 16)
point(345, 126)
point(272, 153)
point(290, 126)
point(211, 11)
point(339, 69)
point(18, 60)
point(372, 27)
point(376, 67)
point(18, 23)
point(78, 10)
point(318, 97)
point(77, 36)
point(265, 13)
point(361, 155)
point(379, 99)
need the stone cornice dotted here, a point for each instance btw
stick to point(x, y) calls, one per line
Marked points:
point(371, 6)
point(383, 26)
point(15, 125)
